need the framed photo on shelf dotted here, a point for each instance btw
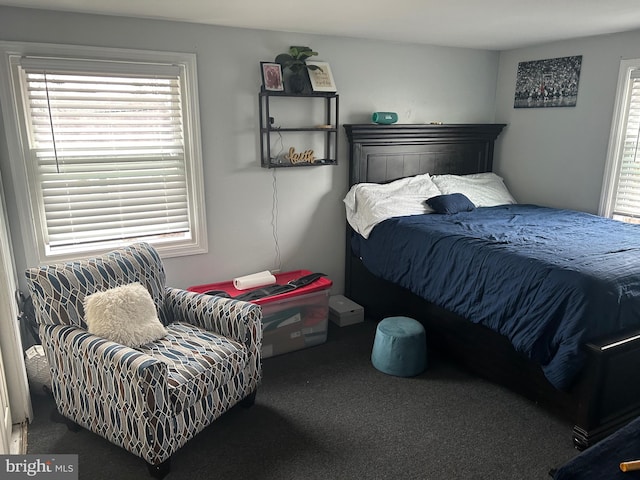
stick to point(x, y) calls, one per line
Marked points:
point(321, 77)
point(272, 76)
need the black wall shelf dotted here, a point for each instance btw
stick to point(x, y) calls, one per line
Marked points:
point(267, 131)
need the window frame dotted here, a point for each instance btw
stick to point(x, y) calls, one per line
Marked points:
point(18, 145)
point(616, 137)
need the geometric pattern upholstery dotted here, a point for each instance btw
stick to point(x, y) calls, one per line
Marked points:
point(152, 399)
point(199, 362)
point(65, 285)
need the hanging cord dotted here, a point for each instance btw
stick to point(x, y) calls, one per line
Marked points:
point(274, 211)
point(53, 135)
point(274, 222)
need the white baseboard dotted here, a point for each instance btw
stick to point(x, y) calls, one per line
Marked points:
point(19, 439)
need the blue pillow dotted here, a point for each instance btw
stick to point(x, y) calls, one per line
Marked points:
point(451, 203)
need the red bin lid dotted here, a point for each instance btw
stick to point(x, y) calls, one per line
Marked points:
point(322, 283)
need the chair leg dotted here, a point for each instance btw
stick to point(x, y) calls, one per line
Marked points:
point(249, 400)
point(161, 470)
point(57, 417)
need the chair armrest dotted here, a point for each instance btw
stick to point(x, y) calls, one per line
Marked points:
point(85, 362)
point(241, 321)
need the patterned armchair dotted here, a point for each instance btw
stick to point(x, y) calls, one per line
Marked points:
point(152, 399)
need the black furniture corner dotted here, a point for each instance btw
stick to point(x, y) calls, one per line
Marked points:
point(602, 461)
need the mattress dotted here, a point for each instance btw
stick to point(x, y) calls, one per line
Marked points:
point(548, 279)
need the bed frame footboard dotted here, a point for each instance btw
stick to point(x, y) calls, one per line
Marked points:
point(607, 393)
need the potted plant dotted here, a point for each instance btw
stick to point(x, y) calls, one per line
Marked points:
point(295, 62)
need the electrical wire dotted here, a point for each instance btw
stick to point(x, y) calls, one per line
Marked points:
point(274, 211)
point(274, 223)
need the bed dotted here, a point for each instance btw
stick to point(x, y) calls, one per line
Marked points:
point(587, 375)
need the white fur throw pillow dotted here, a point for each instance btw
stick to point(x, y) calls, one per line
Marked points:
point(125, 315)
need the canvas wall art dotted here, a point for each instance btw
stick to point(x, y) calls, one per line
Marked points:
point(548, 83)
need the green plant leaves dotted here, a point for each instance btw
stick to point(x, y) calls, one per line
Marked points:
point(301, 53)
point(295, 59)
point(284, 59)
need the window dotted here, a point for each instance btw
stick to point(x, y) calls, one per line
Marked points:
point(621, 189)
point(111, 150)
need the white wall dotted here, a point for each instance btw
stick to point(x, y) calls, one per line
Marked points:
point(556, 156)
point(421, 83)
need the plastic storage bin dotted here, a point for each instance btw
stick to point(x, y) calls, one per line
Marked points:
point(292, 320)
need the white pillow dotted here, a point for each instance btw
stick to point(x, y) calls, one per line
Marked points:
point(125, 315)
point(483, 189)
point(368, 204)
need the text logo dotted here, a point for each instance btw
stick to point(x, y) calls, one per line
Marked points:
point(51, 467)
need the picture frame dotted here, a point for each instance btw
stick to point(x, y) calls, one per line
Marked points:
point(272, 77)
point(321, 78)
point(552, 82)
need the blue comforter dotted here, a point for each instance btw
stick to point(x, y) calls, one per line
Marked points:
point(548, 279)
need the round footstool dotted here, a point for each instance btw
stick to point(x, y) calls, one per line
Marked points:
point(400, 347)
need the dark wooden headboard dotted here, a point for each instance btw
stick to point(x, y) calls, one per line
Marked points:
point(382, 153)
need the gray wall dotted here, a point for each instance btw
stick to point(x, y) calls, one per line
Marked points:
point(421, 83)
point(556, 156)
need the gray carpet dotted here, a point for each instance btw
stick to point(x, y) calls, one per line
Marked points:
point(326, 413)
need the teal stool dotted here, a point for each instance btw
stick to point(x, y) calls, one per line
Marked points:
point(400, 347)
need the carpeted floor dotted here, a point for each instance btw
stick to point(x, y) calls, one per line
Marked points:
point(326, 413)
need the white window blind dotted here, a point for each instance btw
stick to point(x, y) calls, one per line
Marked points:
point(108, 151)
point(627, 194)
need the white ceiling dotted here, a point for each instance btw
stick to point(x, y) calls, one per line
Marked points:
point(483, 24)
